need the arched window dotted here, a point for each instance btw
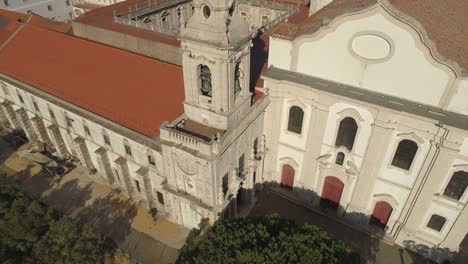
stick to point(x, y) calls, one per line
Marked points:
point(346, 133)
point(436, 222)
point(296, 115)
point(205, 80)
point(404, 154)
point(457, 185)
point(179, 11)
point(238, 75)
point(340, 158)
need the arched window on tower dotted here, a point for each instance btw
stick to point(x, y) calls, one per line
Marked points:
point(457, 185)
point(238, 75)
point(346, 133)
point(404, 154)
point(296, 116)
point(205, 80)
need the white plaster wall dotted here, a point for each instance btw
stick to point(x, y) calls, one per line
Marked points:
point(464, 148)
point(337, 112)
point(433, 236)
point(407, 73)
point(294, 158)
point(279, 53)
point(291, 138)
point(60, 10)
point(459, 99)
point(399, 176)
point(400, 194)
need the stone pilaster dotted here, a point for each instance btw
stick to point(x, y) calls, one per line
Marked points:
point(9, 112)
point(57, 140)
point(23, 120)
point(373, 160)
point(143, 172)
point(41, 131)
point(122, 168)
point(104, 165)
point(83, 152)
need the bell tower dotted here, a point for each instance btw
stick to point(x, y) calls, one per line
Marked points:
point(216, 64)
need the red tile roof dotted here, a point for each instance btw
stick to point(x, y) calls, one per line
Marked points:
point(134, 91)
point(104, 18)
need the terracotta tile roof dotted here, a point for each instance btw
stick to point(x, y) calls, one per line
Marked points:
point(104, 18)
point(445, 22)
point(7, 28)
point(134, 91)
point(35, 20)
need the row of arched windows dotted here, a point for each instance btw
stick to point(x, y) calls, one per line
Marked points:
point(347, 130)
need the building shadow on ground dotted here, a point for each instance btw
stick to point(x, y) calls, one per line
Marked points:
point(358, 230)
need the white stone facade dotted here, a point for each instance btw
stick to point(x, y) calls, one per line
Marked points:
point(371, 66)
point(60, 10)
point(381, 58)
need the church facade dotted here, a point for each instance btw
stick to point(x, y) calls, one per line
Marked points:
point(363, 112)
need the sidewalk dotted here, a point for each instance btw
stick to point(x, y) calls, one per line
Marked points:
point(372, 250)
point(129, 225)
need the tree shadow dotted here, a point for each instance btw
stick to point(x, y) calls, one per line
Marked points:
point(69, 196)
point(111, 215)
point(9, 143)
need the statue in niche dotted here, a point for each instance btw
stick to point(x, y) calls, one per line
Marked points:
point(238, 75)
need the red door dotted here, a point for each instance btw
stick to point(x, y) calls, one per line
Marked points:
point(287, 176)
point(331, 193)
point(381, 214)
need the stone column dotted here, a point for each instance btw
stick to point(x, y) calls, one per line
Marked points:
point(427, 184)
point(104, 165)
point(372, 162)
point(83, 152)
point(23, 120)
point(40, 129)
point(10, 114)
point(122, 168)
point(57, 140)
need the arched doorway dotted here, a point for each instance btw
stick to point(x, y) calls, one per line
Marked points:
point(381, 214)
point(331, 193)
point(287, 176)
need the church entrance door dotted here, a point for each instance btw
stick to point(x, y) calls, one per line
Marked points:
point(331, 193)
point(287, 176)
point(381, 214)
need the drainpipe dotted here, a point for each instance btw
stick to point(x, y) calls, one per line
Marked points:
point(425, 176)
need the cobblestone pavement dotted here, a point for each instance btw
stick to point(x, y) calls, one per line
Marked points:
point(372, 250)
point(129, 225)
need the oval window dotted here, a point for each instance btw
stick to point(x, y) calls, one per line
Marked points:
point(371, 47)
point(206, 11)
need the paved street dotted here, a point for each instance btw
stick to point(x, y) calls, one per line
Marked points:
point(129, 225)
point(371, 249)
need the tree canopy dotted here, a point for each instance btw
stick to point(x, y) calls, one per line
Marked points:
point(269, 239)
point(29, 228)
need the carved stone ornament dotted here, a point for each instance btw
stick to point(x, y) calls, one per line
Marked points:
point(185, 164)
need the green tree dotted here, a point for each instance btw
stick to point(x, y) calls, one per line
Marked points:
point(269, 239)
point(23, 221)
point(69, 241)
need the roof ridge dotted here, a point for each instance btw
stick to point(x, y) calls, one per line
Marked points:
point(12, 35)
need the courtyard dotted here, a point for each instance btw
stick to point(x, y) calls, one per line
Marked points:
point(130, 226)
